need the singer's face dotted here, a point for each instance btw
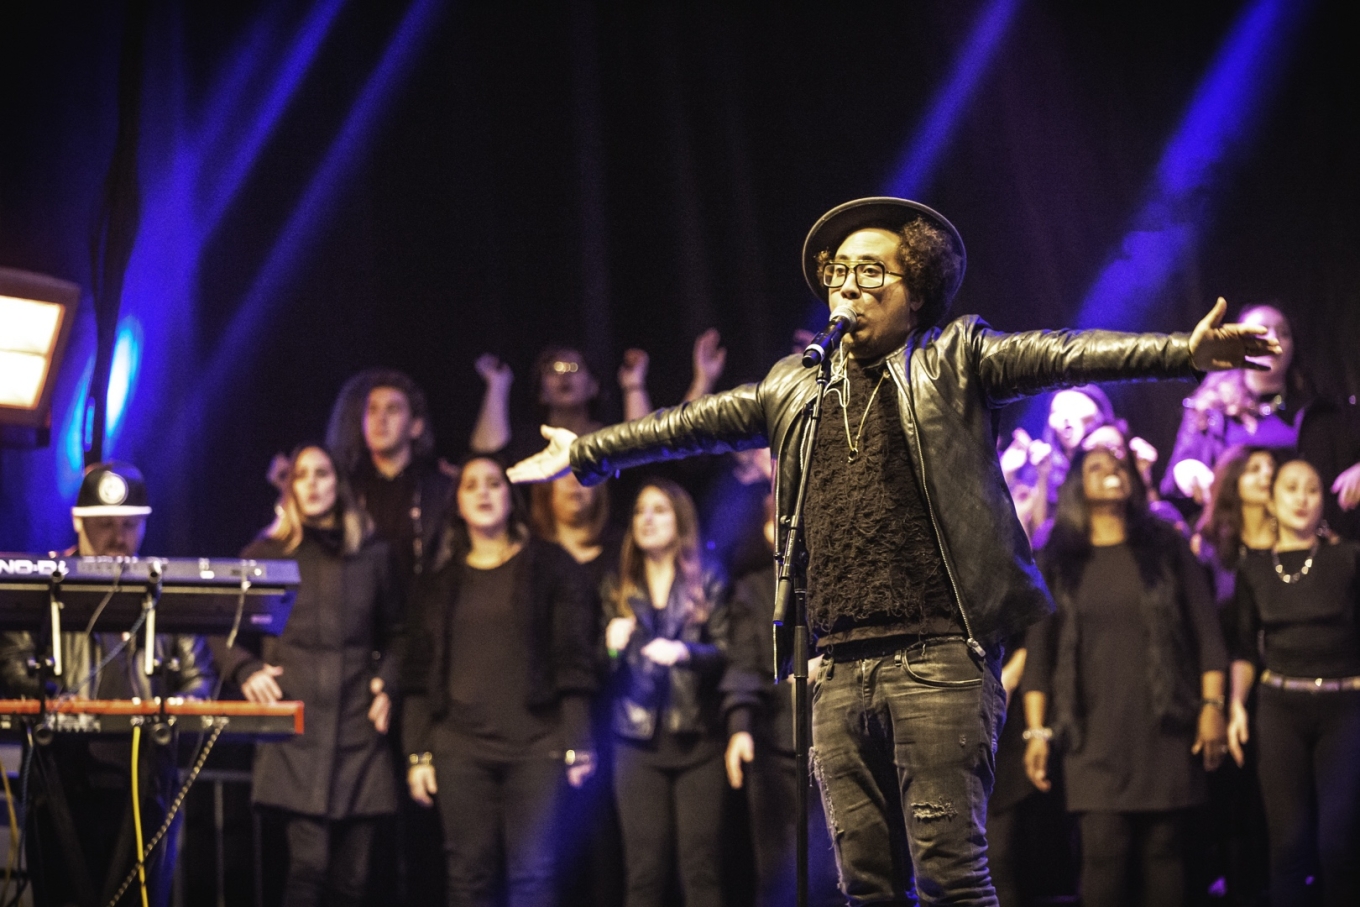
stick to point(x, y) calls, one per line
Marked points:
point(885, 315)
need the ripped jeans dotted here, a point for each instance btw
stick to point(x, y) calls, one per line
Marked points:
point(904, 753)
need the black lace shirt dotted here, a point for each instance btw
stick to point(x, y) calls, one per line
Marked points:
point(874, 565)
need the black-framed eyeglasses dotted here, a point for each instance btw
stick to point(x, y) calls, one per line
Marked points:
point(869, 275)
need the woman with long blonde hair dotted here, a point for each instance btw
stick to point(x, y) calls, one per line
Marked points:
point(332, 783)
point(667, 618)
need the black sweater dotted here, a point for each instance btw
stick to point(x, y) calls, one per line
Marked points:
point(558, 619)
point(1310, 628)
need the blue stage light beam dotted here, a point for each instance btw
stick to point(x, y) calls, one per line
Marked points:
point(915, 169)
point(1217, 128)
point(235, 349)
point(193, 177)
point(263, 116)
point(1218, 125)
point(78, 424)
point(185, 204)
point(127, 361)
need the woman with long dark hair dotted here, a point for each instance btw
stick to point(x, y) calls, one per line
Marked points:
point(1235, 526)
point(1302, 605)
point(1235, 520)
point(1131, 670)
point(500, 718)
point(576, 518)
point(333, 782)
point(667, 618)
point(1035, 468)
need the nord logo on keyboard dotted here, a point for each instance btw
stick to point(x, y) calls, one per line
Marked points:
point(21, 566)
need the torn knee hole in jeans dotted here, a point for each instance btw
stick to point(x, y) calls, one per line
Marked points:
point(934, 811)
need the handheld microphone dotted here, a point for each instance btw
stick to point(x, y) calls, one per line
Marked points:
point(842, 320)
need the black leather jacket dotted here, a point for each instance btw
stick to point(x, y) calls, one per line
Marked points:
point(950, 382)
point(683, 698)
point(190, 666)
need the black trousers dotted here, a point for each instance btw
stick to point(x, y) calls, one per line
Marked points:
point(670, 815)
point(328, 860)
point(1309, 746)
point(590, 847)
point(498, 812)
point(1123, 853)
point(1237, 841)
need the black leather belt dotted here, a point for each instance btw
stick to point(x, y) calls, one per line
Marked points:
point(1309, 684)
point(881, 646)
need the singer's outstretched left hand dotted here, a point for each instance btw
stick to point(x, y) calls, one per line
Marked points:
point(551, 463)
point(1215, 346)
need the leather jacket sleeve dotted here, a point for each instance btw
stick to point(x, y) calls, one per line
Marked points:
point(708, 650)
point(716, 423)
point(1011, 366)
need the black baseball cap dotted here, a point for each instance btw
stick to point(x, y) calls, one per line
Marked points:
point(112, 489)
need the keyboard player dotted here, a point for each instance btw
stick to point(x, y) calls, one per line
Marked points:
point(81, 841)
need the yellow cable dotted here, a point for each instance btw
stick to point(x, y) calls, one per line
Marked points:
point(13, 836)
point(137, 812)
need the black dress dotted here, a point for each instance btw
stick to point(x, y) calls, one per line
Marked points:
point(1128, 761)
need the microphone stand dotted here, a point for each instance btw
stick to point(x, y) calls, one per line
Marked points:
point(789, 598)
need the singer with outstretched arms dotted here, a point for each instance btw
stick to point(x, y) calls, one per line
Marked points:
point(916, 565)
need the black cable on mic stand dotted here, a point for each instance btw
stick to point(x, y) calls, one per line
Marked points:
point(791, 608)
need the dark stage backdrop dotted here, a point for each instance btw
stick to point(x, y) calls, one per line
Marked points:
point(331, 186)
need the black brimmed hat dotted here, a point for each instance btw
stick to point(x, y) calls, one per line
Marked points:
point(112, 489)
point(882, 212)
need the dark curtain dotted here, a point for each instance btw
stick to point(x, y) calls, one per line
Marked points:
point(616, 174)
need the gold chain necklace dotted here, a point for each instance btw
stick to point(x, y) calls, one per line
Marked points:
point(853, 444)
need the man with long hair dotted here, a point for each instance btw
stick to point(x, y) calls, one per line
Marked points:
point(380, 434)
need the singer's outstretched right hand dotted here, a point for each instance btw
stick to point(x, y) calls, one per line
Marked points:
point(549, 464)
